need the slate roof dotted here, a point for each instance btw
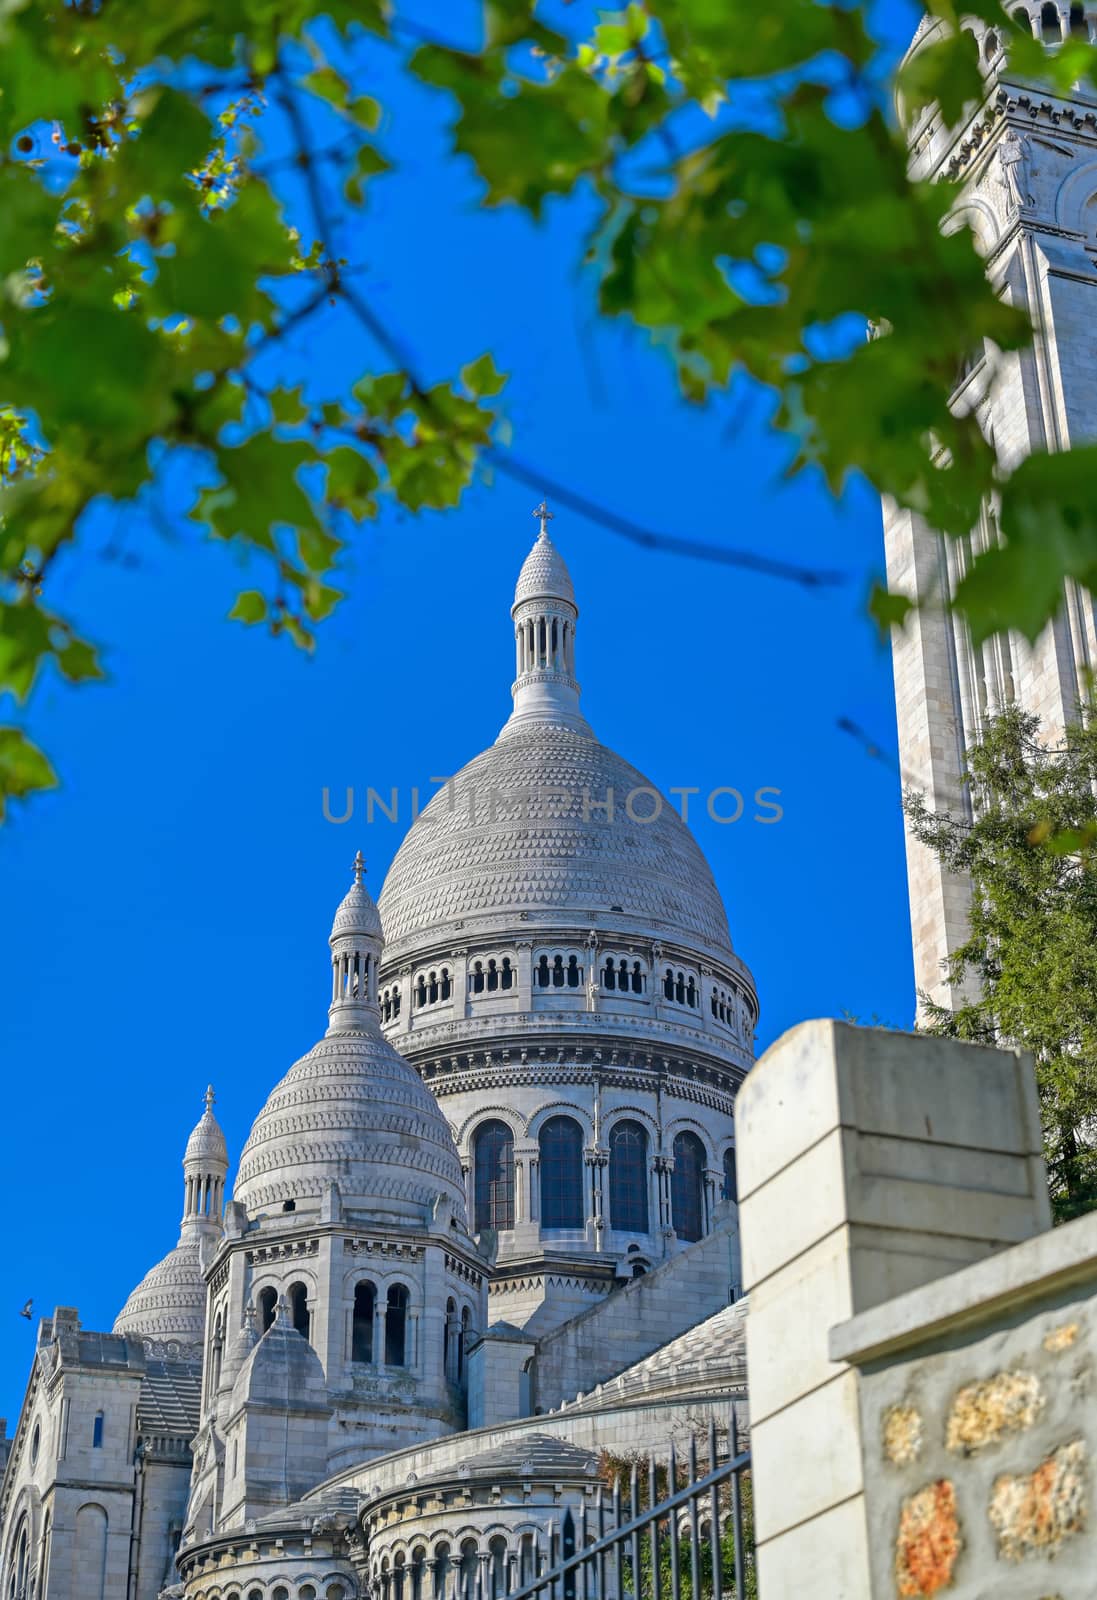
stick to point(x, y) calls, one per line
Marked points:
point(536, 1455)
point(171, 1398)
point(712, 1354)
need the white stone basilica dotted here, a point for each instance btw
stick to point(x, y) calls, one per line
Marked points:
point(481, 1231)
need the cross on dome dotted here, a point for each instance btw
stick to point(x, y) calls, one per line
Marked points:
point(359, 867)
point(545, 515)
point(211, 1098)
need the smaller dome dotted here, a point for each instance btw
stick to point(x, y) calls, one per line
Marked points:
point(544, 575)
point(207, 1143)
point(357, 913)
point(170, 1301)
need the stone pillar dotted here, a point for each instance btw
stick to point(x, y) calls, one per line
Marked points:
point(525, 974)
point(869, 1163)
point(459, 996)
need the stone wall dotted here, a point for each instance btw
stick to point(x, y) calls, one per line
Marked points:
point(638, 1318)
point(921, 1344)
point(979, 1426)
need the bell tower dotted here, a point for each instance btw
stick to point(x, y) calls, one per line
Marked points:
point(1028, 163)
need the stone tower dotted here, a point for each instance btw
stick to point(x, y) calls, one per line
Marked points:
point(1028, 161)
point(327, 1339)
point(558, 966)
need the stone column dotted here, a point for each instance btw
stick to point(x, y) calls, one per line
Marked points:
point(525, 974)
point(870, 1163)
point(379, 1331)
point(459, 975)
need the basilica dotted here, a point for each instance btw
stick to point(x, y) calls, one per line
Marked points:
point(483, 1231)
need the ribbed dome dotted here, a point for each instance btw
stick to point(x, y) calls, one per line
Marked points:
point(354, 1113)
point(207, 1142)
point(170, 1301)
point(544, 575)
point(458, 864)
point(357, 912)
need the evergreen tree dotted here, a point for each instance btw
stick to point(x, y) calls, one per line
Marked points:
point(1029, 963)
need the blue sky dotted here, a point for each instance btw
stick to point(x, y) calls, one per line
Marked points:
point(166, 911)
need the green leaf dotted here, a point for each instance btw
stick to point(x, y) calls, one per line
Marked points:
point(482, 377)
point(260, 491)
point(23, 768)
point(79, 662)
point(250, 607)
point(287, 406)
point(329, 85)
point(947, 72)
point(351, 483)
point(888, 610)
point(171, 140)
point(369, 163)
point(1049, 533)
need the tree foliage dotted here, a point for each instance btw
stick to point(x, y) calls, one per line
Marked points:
point(1030, 957)
point(754, 213)
point(618, 1470)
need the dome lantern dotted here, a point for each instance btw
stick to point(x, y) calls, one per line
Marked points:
point(544, 613)
point(205, 1168)
point(355, 942)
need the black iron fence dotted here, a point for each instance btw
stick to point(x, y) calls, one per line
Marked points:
point(669, 1530)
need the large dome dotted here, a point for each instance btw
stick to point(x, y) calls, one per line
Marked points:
point(523, 828)
point(354, 1113)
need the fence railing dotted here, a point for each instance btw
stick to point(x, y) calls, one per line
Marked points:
point(650, 1538)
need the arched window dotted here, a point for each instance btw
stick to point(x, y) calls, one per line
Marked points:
point(691, 993)
point(421, 992)
point(418, 1561)
point(396, 1326)
point(637, 978)
point(668, 984)
point(506, 977)
point(1021, 18)
point(561, 1144)
point(97, 1432)
point(558, 972)
point(680, 988)
point(493, 1166)
point(445, 986)
point(575, 972)
point(730, 1190)
point(361, 1344)
point(470, 1555)
point(628, 1177)
point(609, 975)
point(543, 975)
point(441, 1570)
point(398, 1576)
point(299, 1308)
point(268, 1303)
point(493, 976)
point(432, 989)
point(1050, 25)
point(476, 978)
point(451, 1334)
point(687, 1187)
point(1078, 22)
point(17, 1568)
point(463, 1342)
point(497, 1550)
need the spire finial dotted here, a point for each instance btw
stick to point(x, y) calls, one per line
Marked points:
point(545, 515)
point(359, 867)
point(210, 1098)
